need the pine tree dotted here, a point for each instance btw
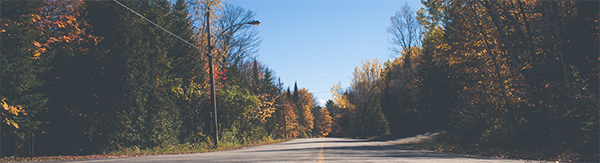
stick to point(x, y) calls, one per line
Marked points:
point(188, 76)
point(24, 60)
point(133, 85)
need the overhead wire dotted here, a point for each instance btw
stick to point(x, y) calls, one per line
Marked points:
point(320, 92)
point(151, 22)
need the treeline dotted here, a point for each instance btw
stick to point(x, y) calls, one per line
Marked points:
point(83, 77)
point(513, 76)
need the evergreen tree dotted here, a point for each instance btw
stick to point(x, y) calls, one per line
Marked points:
point(187, 77)
point(295, 93)
point(24, 60)
point(134, 79)
point(370, 119)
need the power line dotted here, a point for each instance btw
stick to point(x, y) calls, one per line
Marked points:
point(151, 22)
point(320, 92)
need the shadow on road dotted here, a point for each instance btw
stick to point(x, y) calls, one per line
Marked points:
point(382, 148)
point(364, 149)
point(425, 134)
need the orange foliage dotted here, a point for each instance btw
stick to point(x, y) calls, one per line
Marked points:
point(62, 20)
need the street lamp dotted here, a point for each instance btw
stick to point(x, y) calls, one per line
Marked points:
point(211, 69)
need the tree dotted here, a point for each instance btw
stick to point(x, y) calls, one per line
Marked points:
point(365, 79)
point(370, 119)
point(76, 65)
point(345, 111)
point(132, 88)
point(322, 122)
point(407, 34)
point(240, 43)
point(304, 107)
point(23, 61)
point(397, 95)
point(288, 118)
point(366, 83)
point(337, 122)
point(436, 91)
point(238, 114)
point(9, 119)
point(512, 88)
point(69, 85)
point(362, 115)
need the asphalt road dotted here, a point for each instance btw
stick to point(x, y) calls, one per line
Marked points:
point(318, 150)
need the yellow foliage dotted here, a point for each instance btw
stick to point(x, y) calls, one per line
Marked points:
point(15, 110)
point(306, 103)
point(37, 44)
point(365, 79)
point(188, 91)
point(267, 106)
point(289, 126)
point(339, 99)
point(324, 122)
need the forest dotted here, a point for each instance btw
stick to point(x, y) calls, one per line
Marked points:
point(86, 77)
point(502, 78)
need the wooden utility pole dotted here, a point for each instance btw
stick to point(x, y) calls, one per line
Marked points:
point(283, 105)
point(212, 76)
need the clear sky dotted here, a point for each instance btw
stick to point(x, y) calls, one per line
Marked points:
point(319, 43)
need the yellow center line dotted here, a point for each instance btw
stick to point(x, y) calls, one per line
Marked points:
point(320, 158)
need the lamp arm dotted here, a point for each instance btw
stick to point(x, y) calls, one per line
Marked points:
point(223, 32)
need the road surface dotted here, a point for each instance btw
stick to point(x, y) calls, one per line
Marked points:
point(318, 150)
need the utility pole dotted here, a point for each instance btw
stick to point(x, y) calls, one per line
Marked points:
point(283, 104)
point(212, 76)
point(211, 65)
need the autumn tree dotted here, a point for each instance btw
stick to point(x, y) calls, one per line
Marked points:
point(132, 89)
point(370, 120)
point(436, 91)
point(406, 36)
point(69, 86)
point(343, 110)
point(23, 62)
point(508, 86)
point(83, 64)
point(287, 119)
point(322, 122)
point(361, 103)
point(258, 79)
point(481, 70)
point(338, 120)
point(396, 96)
point(260, 82)
point(304, 106)
point(583, 47)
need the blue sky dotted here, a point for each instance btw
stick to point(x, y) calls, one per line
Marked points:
point(319, 43)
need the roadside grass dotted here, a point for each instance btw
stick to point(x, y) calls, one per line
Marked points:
point(444, 142)
point(138, 152)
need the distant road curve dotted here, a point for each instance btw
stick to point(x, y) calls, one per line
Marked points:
point(319, 150)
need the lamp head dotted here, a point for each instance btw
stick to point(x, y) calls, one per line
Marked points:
point(255, 22)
